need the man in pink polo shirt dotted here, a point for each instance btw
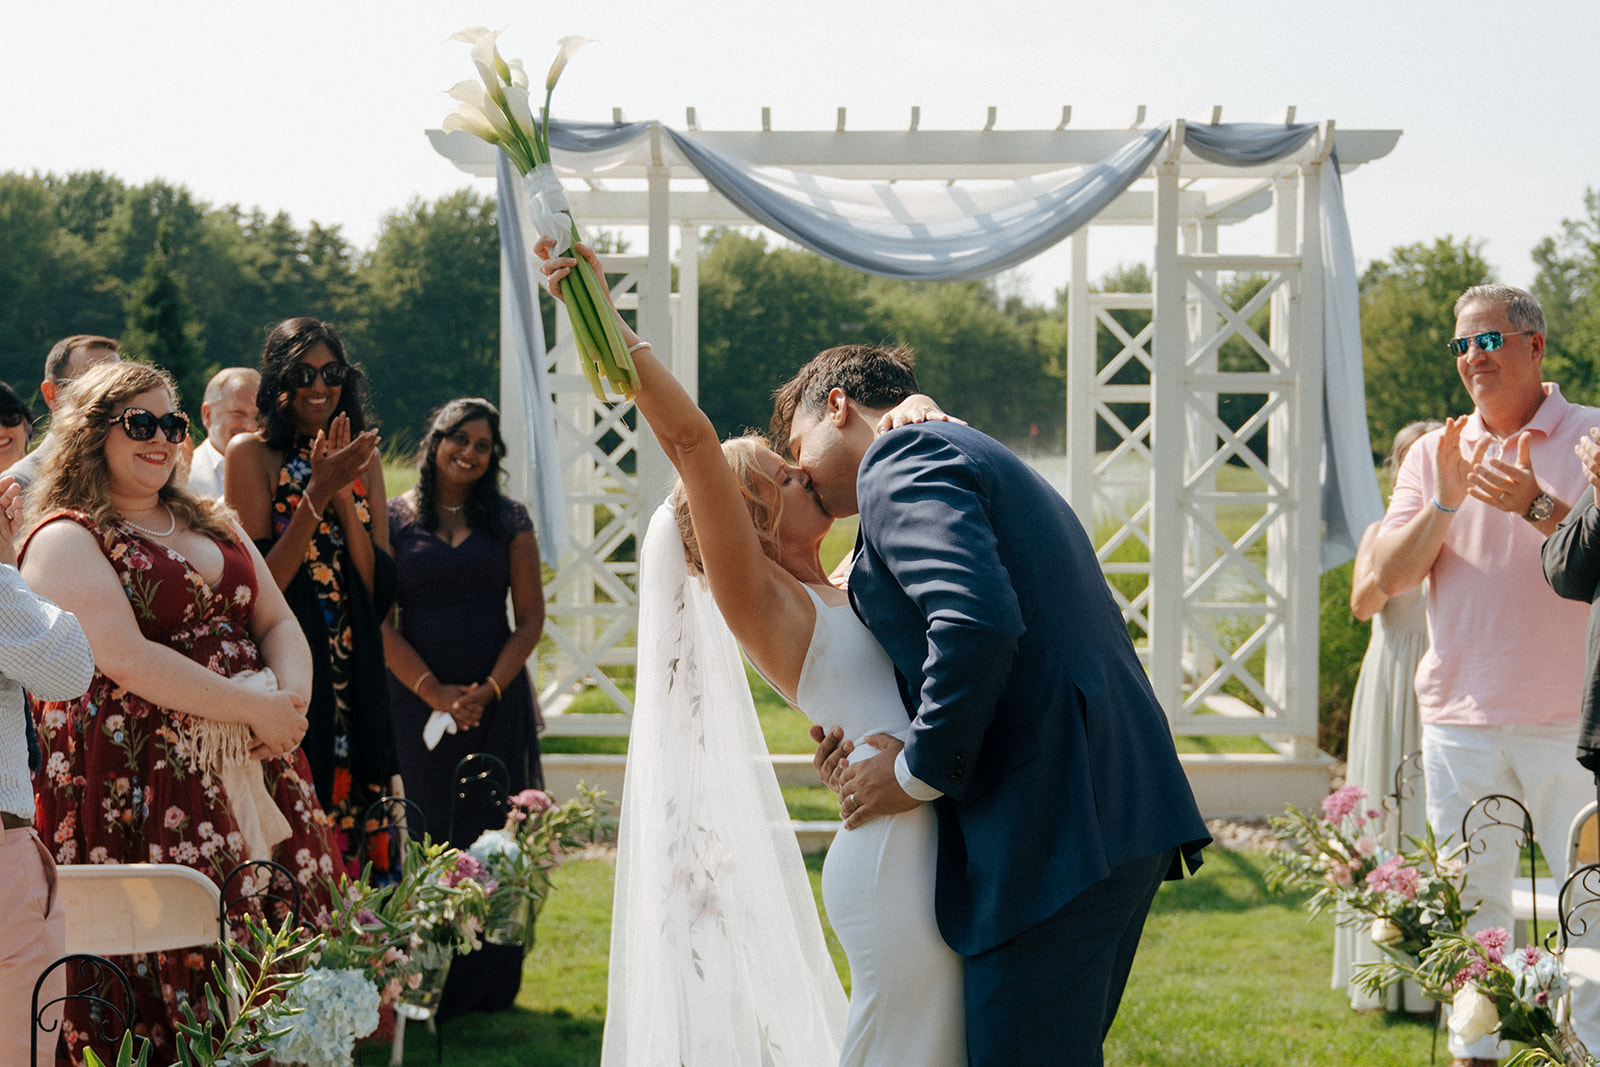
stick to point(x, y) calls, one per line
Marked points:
point(1500, 687)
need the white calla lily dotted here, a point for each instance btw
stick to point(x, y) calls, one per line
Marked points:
point(517, 105)
point(519, 74)
point(471, 120)
point(486, 57)
point(469, 35)
point(567, 46)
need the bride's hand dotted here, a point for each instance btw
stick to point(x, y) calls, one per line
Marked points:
point(829, 757)
point(556, 268)
point(914, 408)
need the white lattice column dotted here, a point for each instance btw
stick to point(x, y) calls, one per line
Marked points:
point(1169, 384)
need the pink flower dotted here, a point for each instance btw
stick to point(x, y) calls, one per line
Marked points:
point(1473, 970)
point(1341, 802)
point(1494, 941)
point(466, 867)
point(1405, 882)
point(1531, 954)
point(174, 818)
point(1366, 846)
point(367, 917)
point(1339, 874)
point(537, 800)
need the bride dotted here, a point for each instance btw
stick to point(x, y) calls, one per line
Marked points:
point(716, 953)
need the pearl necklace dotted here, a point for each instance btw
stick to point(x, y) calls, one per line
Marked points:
point(155, 533)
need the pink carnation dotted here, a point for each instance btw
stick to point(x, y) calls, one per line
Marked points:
point(1494, 941)
point(1339, 874)
point(534, 800)
point(466, 867)
point(1342, 802)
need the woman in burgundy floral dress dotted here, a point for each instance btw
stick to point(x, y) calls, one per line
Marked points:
point(185, 748)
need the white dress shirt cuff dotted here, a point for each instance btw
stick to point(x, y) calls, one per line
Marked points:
point(915, 787)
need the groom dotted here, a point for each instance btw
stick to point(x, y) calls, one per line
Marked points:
point(1034, 731)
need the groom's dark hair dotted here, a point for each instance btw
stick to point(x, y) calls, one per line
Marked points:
point(870, 375)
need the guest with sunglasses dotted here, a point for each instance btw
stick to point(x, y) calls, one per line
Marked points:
point(185, 747)
point(16, 426)
point(67, 360)
point(306, 486)
point(1500, 687)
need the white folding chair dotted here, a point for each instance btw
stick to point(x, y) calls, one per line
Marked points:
point(121, 909)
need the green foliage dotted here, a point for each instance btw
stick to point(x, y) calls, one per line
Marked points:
point(161, 326)
point(1568, 287)
point(1407, 315)
point(764, 312)
point(430, 326)
point(1343, 645)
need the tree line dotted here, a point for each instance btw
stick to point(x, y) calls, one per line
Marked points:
point(195, 286)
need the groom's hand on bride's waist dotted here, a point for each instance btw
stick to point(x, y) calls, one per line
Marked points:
point(869, 789)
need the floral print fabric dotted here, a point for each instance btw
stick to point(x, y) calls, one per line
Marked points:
point(350, 799)
point(119, 782)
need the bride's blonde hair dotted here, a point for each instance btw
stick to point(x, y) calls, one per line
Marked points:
point(744, 456)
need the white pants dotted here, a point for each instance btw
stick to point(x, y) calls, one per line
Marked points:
point(1535, 764)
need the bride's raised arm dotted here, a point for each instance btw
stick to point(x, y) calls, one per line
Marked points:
point(765, 607)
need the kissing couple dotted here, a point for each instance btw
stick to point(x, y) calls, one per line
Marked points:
point(1010, 794)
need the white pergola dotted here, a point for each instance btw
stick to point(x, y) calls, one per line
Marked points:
point(1229, 620)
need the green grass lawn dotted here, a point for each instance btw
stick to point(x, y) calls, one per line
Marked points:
point(1228, 975)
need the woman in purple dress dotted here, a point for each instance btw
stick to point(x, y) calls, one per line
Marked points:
point(461, 548)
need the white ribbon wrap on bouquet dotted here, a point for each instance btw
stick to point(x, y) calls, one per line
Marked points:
point(548, 210)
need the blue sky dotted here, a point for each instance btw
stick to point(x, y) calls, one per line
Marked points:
point(318, 108)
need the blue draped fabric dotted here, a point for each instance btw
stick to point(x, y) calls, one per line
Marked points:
point(874, 228)
point(527, 341)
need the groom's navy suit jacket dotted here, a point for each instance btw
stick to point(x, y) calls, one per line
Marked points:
point(1030, 709)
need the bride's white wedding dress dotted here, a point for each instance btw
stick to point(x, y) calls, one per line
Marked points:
point(877, 882)
point(717, 955)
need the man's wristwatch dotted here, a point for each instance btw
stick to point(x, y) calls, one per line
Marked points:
point(1541, 509)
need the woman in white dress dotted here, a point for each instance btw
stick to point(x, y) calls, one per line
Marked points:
point(691, 963)
point(1383, 731)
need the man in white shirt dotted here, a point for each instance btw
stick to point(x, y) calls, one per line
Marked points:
point(43, 649)
point(229, 408)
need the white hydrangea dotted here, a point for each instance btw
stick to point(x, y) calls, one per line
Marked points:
point(335, 1007)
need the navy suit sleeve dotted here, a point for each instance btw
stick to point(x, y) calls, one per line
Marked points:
point(1572, 553)
point(925, 511)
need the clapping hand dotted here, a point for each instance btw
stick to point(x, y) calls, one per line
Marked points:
point(10, 520)
point(337, 460)
point(1588, 450)
point(1511, 487)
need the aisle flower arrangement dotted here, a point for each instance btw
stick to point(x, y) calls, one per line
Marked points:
point(1410, 901)
point(496, 109)
point(1495, 988)
point(520, 856)
point(1405, 898)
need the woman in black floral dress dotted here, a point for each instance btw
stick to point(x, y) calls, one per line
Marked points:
point(306, 487)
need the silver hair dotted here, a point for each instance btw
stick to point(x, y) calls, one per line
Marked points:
point(1521, 307)
point(227, 377)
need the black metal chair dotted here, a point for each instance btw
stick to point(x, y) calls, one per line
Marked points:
point(262, 889)
point(100, 982)
point(1407, 776)
point(390, 819)
point(1489, 809)
point(480, 799)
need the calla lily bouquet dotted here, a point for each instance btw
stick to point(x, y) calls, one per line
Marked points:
point(496, 108)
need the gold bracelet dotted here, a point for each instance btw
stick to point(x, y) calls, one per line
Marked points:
point(497, 693)
point(417, 689)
